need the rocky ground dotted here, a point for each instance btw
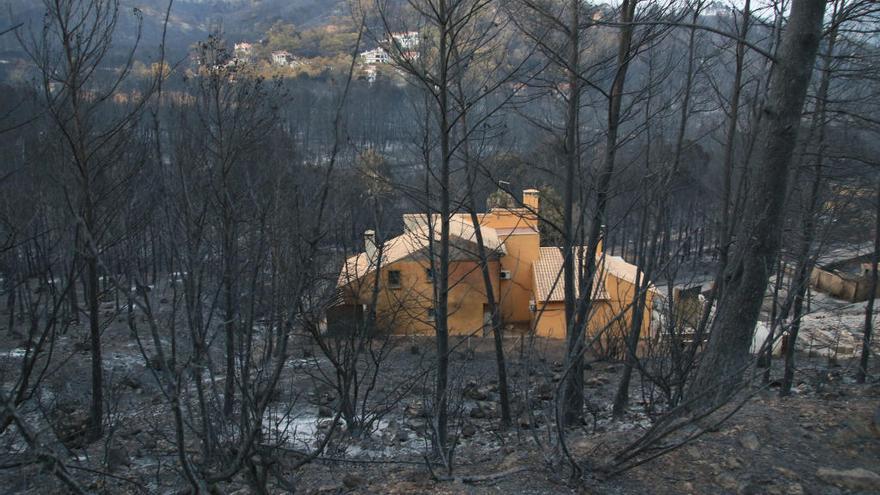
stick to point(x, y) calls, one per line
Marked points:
point(821, 440)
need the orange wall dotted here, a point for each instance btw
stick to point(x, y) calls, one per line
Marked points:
point(549, 320)
point(552, 320)
point(523, 249)
point(405, 309)
point(499, 218)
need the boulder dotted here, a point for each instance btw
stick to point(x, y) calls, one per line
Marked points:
point(118, 457)
point(794, 489)
point(416, 410)
point(401, 436)
point(474, 392)
point(477, 412)
point(352, 481)
point(545, 391)
point(131, 382)
point(468, 430)
point(851, 479)
point(727, 482)
point(596, 381)
point(524, 421)
point(71, 427)
point(418, 425)
point(750, 441)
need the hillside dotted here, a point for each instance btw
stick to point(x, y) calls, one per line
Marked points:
point(190, 20)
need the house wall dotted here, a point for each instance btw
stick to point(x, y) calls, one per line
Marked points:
point(552, 323)
point(620, 295)
point(523, 249)
point(516, 293)
point(404, 310)
point(855, 289)
point(549, 320)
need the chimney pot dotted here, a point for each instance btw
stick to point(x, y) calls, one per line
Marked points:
point(531, 199)
point(370, 244)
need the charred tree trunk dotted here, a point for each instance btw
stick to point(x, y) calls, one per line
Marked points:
point(573, 395)
point(441, 312)
point(808, 223)
point(757, 243)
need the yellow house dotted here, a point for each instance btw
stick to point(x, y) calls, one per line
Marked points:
point(526, 278)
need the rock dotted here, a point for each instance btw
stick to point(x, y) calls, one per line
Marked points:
point(794, 489)
point(544, 391)
point(118, 457)
point(596, 381)
point(147, 441)
point(322, 397)
point(418, 425)
point(401, 436)
point(473, 392)
point(417, 410)
point(71, 427)
point(131, 382)
point(352, 481)
point(732, 463)
point(786, 473)
point(490, 408)
point(325, 412)
point(468, 430)
point(327, 423)
point(727, 482)
point(750, 441)
point(852, 479)
point(477, 412)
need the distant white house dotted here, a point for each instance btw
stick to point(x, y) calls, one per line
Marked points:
point(406, 41)
point(376, 56)
point(243, 50)
point(284, 58)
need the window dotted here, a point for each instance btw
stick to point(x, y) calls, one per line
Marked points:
point(394, 279)
point(429, 274)
point(430, 314)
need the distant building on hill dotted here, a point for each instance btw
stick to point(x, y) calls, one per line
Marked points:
point(375, 56)
point(284, 58)
point(243, 51)
point(406, 41)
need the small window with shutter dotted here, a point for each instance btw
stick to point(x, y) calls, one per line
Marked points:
point(394, 279)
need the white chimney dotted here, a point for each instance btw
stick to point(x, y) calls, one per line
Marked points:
point(370, 244)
